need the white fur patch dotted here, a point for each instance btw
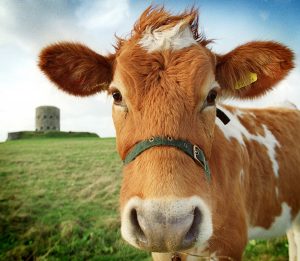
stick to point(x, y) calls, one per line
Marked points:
point(279, 227)
point(176, 38)
point(270, 142)
point(234, 129)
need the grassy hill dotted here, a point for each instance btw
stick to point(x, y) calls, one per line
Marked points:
point(59, 201)
point(49, 134)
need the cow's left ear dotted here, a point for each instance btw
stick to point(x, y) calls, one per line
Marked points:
point(252, 69)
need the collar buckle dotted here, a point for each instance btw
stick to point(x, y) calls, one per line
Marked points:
point(197, 157)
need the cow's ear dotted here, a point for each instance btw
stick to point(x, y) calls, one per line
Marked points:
point(76, 69)
point(252, 69)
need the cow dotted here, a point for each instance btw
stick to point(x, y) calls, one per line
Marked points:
point(192, 181)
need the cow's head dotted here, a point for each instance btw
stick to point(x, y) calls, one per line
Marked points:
point(164, 82)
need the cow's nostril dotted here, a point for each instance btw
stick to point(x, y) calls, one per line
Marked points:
point(193, 232)
point(136, 226)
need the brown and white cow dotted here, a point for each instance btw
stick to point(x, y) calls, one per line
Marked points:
point(164, 81)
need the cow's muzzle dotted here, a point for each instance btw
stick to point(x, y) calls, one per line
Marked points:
point(169, 225)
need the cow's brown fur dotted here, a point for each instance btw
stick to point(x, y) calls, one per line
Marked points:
point(164, 91)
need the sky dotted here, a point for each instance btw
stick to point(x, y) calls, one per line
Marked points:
point(29, 25)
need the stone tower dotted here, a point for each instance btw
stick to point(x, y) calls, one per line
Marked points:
point(47, 118)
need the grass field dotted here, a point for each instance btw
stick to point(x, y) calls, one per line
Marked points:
point(59, 201)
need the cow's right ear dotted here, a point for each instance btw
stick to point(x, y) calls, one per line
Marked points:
point(76, 69)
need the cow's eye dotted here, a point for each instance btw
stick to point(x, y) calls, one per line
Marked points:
point(117, 96)
point(211, 97)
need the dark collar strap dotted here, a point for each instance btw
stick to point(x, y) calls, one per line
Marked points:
point(192, 150)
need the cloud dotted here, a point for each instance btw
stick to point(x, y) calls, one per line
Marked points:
point(32, 23)
point(102, 14)
point(29, 25)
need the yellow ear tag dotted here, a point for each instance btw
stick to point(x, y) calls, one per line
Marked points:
point(251, 78)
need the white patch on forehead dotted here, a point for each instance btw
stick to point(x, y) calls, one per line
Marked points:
point(235, 130)
point(279, 227)
point(176, 38)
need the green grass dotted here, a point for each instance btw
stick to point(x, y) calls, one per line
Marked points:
point(59, 201)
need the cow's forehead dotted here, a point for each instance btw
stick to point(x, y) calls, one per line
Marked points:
point(189, 67)
point(189, 71)
point(165, 50)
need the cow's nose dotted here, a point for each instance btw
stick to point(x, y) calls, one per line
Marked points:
point(162, 226)
point(157, 231)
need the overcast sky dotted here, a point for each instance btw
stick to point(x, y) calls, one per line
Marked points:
point(26, 26)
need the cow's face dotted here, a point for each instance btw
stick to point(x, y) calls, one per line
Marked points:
point(164, 86)
point(170, 93)
point(164, 82)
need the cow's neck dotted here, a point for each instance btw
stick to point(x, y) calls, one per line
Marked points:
point(247, 164)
